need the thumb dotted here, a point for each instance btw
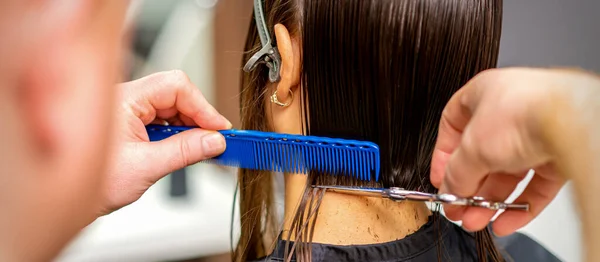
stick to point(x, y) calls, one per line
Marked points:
point(183, 149)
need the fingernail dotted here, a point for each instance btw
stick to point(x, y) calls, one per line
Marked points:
point(229, 125)
point(213, 144)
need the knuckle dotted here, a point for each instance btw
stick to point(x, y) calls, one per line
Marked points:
point(184, 154)
point(473, 146)
point(446, 127)
point(469, 145)
point(179, 79)
point(487, 79)
point(518, 146)
point(173, 79)
point(488, 74)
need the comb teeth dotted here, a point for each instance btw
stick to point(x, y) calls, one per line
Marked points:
point(290, 153)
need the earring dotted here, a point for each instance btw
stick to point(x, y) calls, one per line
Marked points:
point(275, 101)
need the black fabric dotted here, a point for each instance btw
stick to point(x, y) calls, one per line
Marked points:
point(522, 248)
point(455, 245)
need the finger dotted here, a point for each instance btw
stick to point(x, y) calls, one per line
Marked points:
point(173, 89)
point(463, 177)
point(186, 120)
point(167, 113)
point(439, 160)
point(454, 213)
point(181, 120)
point(465, 171)
point(497, 187)
point(158, 121)
point(539, 193)
point(175, 121)
point(462, 173)
point(181, 150)
point(456, 116)
point(452, 124)
point(175, 118)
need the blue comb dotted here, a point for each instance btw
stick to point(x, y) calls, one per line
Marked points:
point(289, 153)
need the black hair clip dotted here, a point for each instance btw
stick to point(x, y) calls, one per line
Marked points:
point(268, 54)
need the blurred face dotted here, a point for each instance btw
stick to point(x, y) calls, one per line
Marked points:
point(59, 61)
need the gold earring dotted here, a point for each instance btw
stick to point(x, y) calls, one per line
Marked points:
point(275, 101)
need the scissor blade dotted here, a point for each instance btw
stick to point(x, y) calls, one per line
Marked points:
point(363, 191)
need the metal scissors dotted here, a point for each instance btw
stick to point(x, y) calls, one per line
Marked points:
point(399, 194)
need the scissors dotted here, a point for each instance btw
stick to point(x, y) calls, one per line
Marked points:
point(399, 194)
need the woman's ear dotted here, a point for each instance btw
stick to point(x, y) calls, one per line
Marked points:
point(289, 51)
point(286, 119)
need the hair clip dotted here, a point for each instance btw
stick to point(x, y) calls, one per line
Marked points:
point(268, 54)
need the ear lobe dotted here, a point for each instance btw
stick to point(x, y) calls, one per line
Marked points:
point(288, 75)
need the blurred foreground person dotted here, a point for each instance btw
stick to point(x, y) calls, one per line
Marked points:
point(73, 144)
point(59, 62)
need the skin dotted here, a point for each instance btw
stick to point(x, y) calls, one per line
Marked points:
point(53, 79)
point(137, 164)
point(506, 121)
point(342, 219)
point(62, 161)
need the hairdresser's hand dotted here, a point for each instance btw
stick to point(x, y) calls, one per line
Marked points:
point(170, 97)
point(495, 129)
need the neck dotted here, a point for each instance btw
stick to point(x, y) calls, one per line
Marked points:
point(354, 220)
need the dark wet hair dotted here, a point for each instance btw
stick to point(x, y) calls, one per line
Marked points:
point(375, 70)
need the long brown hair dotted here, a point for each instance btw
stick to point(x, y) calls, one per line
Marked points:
point(374, 70)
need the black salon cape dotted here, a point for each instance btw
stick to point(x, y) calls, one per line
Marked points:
point(457, 245)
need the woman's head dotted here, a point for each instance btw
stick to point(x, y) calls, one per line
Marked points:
point(379, 70)
point(374, 70)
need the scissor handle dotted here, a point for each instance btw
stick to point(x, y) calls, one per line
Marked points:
point(499, 205)
point(400, 194)
point(481, 202)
